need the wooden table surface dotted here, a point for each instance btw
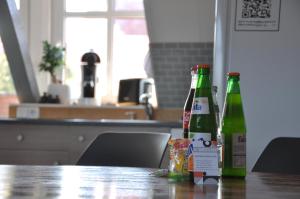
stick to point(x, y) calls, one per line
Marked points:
point(117, 182)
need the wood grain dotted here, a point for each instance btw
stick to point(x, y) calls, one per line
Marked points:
point(98, 112)
point(22, 182)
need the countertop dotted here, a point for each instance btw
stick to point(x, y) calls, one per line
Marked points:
point(98, 113)
point(101, 122)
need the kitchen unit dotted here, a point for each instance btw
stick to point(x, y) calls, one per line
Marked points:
point(61, 142)
point(59, 111)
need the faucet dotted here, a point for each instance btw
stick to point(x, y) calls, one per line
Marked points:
point(144, 99)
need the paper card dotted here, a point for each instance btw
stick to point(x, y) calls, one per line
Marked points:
point(28, 112)
point(206, 162)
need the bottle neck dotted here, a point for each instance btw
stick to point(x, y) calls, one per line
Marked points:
point(203, 79)
point(233, 85)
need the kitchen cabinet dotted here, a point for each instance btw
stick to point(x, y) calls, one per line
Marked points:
point(48, 142)
point(59, 111)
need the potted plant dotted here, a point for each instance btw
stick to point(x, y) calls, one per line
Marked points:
point(53, 59)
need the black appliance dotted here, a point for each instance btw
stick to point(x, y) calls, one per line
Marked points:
point(131, 90)
point(88, 66)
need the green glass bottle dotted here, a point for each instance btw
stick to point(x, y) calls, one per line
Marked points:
point(203, 121)
point(233, 129)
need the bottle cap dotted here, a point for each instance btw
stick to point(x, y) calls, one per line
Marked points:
point(203, 66)
point(194, 68)
point(233, 74)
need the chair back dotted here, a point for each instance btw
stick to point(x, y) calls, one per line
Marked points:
point(126, 149)
point(280, 156)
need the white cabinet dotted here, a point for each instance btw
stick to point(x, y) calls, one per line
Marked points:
point(29, 144)
point(50, 144)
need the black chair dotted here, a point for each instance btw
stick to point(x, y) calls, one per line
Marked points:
point(282, 155)
point(126, 149)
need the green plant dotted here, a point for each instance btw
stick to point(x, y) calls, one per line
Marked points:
point(53, 58)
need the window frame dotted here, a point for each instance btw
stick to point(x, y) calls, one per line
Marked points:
point(59, 14)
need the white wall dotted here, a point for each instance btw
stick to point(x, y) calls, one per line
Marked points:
point(180, 20)
point(39, 15)
point(269, 63)
point(36, 17)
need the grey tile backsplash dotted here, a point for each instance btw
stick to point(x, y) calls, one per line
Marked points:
point(171, 64)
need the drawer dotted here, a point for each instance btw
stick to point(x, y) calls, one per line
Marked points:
point(41, 138)
point(33, 157)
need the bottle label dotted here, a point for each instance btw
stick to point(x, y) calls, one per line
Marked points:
point(199, 135)
point(239, 150)
point(194, 81)
point(186, 119)
point(200, 105)
point(196, 137)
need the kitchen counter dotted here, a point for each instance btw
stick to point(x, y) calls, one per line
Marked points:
point(61, 142)
point(85, 122)
point(58, 111)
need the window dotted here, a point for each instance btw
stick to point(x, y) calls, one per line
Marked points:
point(18, 4)
point(116, 31)
point(7, 89)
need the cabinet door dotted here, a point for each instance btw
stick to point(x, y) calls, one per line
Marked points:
point(39, 137)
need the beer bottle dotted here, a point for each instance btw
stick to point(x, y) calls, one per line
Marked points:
point(203, 121)
point(233, 129)
point(188, 103)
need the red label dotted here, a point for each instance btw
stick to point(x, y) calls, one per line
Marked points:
point(186, 119)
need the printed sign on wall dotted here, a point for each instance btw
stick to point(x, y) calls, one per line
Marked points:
point(257, 15)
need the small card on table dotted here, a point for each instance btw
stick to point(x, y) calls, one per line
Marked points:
point(205, 162)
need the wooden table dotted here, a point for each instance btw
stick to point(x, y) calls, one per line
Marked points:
point(20, 182)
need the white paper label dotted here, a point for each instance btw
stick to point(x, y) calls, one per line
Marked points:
point(28, 112)
point(198, 136)
point(239, 150)
point(200, 106)
point(206, 162)
point(176, 133)
point(203, 159)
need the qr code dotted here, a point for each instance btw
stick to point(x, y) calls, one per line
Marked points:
point(256, 8)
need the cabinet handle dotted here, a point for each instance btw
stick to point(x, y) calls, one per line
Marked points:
point(56, 163)
point(20, 138)
point(81, 138)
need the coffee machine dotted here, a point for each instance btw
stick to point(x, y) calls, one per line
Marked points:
point(89, 62)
